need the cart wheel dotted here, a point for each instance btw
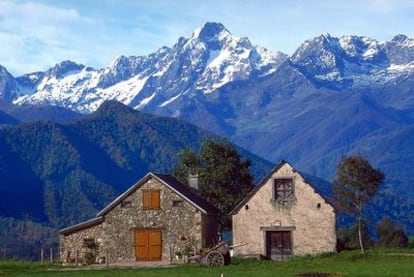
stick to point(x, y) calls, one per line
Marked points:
point(215, 258)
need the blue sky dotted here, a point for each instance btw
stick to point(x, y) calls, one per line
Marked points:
point(37, 34)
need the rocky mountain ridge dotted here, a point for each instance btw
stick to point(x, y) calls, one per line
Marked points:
point(207, 60)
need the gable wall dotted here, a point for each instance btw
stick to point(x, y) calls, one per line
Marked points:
point(313, 227)
point(180, 226)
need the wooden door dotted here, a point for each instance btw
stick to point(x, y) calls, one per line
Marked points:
point(278, 245)
point(148, 244)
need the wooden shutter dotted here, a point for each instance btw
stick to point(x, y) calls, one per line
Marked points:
point(151, 199)
point(155, 199)
point(146, 199)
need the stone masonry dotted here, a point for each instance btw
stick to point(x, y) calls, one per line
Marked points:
point(183, 226)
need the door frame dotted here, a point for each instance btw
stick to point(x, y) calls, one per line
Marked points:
point(266, 233)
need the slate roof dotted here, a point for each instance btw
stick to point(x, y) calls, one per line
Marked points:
point(83, 225)
point(190, 194)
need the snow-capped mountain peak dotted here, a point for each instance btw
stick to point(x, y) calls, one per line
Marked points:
point(353, 61)
point(64, 68)
point(221, 57)
point(400, 50)
point(119, 63)
point(403, 40)
point(202, 63)
point(211, 33)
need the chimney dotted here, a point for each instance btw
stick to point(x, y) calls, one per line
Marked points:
point(193, 180)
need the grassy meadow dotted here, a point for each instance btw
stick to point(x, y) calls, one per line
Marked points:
point(390, 262)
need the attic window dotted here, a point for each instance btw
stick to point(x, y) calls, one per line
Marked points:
point(284, 190)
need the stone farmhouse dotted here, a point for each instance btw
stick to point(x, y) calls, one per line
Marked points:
point(156, 219)
point(283, 216)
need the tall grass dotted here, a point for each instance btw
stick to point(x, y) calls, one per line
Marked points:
point(380, 262)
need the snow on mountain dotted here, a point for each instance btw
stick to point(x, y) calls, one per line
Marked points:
point(230, 58)
point(225, 83)
point(60, 86)
point(207, 61)
point(354, 61)
point(211, 58)
point(400, 49)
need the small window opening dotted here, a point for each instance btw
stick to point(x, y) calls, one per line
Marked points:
point(246, 207)
point(89, 243)
point(177, 203)
point(318, 205)
point(126, 204)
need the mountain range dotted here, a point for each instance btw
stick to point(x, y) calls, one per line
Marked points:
point(332, 96)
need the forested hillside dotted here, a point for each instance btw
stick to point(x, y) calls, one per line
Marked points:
point(62, 174)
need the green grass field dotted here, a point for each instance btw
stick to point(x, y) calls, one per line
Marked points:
point(348, 263)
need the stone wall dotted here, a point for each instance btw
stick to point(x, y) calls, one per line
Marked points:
point(309, 216)
point(72, 248)
point(182, 226)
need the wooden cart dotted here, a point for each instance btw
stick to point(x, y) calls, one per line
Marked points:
point(218, 255)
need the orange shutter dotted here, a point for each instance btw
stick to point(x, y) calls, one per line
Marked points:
point(151, 199)
point(155, 199)
point(146, 199)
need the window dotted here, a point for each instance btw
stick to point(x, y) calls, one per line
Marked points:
point(126, 204)
point(284, 190)
point(177, 203)
point(151, 199)
point(89, 243)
